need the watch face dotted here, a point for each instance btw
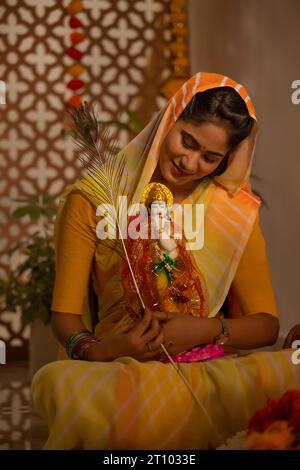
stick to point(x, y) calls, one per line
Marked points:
point(223, 340)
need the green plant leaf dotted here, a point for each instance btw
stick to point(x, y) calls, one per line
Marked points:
point(49, 211)
point(33, 212)
point(47, 199)
point(28, 315)
point(29, 285)
point(16, 247)
point(2, 287)
point(44, 313)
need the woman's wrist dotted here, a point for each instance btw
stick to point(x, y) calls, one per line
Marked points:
point(78, 343)
point(208, 329)
point(99, 352)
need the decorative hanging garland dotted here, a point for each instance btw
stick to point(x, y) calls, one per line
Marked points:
point(178, 47)
point(75, 84)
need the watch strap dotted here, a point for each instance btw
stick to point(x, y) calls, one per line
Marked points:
point(222, 337)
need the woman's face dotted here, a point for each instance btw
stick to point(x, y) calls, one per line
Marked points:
point(190, 152)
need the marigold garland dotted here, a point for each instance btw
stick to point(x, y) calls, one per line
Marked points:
point(178, 48)
point(277, 425)
point(75, 84)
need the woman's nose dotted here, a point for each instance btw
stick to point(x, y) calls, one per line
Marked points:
point(191, 162)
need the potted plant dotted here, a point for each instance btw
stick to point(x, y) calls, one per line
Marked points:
point(29, 284)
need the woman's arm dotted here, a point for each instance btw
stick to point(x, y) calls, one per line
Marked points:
point(183, 332)
point(252, 331)
point(127, 340)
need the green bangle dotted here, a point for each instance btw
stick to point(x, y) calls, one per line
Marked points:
point(76, 341)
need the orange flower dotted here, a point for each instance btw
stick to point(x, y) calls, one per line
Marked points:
point(179, 31)
point(294, 420)
point(76, 38)
point(177, 4)
point(75, 70)
point(170, 87)
point(75, 7)
point(263, 417)
point(177, 47)
point(175, 17)
point(285, 404)
point(75, 101)
point(181, 61)
point(278, 436)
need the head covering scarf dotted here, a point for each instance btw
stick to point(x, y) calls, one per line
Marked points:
point(229, 206)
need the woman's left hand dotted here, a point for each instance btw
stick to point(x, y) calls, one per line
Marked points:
point(181, 332)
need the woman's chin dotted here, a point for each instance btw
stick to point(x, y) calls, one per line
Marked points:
point(170, 179)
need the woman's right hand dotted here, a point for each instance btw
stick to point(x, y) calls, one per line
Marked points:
point(141, 340)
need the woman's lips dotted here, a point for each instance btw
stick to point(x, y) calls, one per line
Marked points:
point(176, 170)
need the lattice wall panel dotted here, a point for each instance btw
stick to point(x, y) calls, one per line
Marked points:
point(126, 60)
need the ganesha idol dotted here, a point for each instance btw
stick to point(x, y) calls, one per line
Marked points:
point(165, 271)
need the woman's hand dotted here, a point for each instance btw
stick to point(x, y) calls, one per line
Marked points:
point(181, 332)
point(140, 340)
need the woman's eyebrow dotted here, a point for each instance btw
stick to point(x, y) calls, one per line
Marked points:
point(196, 143)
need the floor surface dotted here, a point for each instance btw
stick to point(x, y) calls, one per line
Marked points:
point(20, 426)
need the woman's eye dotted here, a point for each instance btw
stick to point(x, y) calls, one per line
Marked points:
point(208, 159)
point(186, 144)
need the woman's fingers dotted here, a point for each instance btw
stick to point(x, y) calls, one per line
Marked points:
point(148, 335)
point(143, 324)
point(156, 342)
point(152, 332)
point(163, 316)
point(124, 325)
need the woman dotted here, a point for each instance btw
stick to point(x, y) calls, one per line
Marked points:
point(201, 147)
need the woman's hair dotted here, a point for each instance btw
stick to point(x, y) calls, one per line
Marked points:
point(221, 106)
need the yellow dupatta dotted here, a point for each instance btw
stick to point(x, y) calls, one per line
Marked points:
point(230, 207)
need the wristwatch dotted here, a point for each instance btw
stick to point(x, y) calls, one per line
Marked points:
point(224, 336)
